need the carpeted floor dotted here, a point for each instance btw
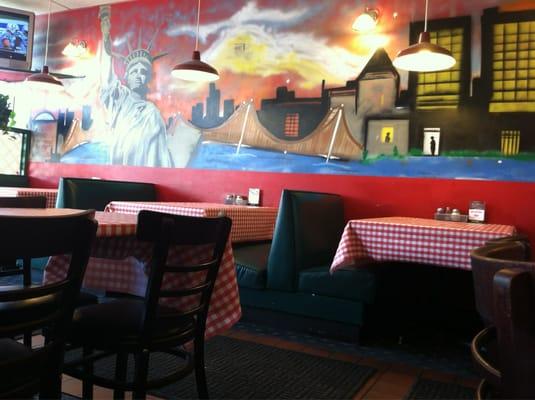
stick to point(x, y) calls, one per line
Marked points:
point(425, 389)
point(238, 369)
point(449, 358)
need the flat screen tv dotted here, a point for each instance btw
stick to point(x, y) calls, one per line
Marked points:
point(16, 38)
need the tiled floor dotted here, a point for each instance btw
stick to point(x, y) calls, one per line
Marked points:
point(392, 381)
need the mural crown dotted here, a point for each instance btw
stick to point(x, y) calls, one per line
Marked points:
point(140, 54)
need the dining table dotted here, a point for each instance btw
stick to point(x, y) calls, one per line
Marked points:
point(418, 240)
point(119, 263)
point(249, 223)
point(50, 194)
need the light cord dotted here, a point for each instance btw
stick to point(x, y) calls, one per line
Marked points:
point(425, 18)
point(48, 30)
point(198, 21)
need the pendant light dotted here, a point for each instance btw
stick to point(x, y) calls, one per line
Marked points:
point(44, 80)
point(424, 56)
point(367, 21)
point(195, 70)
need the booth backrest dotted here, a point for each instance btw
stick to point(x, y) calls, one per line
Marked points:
point(97, 193)
point(14, 180)
point(307, 232)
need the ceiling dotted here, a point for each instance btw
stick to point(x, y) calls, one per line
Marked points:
point(41, 6)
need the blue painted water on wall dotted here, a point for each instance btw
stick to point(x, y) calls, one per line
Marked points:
point(223, 156)
point(87, 153)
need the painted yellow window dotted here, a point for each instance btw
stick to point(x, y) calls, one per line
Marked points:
point(387, 134)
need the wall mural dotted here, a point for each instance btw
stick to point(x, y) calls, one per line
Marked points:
point(300, 91)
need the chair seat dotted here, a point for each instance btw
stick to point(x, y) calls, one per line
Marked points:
point(86, 298)
point(251, 265)
point(353, 284)
point(11, 352)
point(117, 322)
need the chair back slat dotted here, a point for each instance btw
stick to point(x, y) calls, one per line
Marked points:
point(50, 306)
point(8, 266)
point(190, 268)
point(184, 292)
point(181, 315)
point(17, 233)
point(199, 244)
point(23, 202)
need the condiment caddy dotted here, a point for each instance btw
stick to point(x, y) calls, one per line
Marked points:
point(448, 214)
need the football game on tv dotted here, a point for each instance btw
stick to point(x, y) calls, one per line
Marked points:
point(14, 36)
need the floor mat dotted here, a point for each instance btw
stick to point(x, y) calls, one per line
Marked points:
point(238, 369)
point(426, 389)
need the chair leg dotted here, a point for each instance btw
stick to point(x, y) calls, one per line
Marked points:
point(27, 281)
point(27, 339)
point(51, 383)
point(27, 271)
point(200, 373)
point(120, 374)
point(140, 374)
point(87, 381)
point(51, 389)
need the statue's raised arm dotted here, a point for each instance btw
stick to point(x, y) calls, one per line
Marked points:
point(107, 74)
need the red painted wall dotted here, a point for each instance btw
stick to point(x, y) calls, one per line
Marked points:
point(507, 202)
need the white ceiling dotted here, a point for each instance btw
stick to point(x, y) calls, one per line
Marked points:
point(41, 6)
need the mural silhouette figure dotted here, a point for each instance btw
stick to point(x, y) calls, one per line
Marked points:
point(387, 137)
point(433, 145)
point(138, 129)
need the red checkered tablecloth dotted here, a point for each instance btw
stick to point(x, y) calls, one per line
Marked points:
point(50, 194)
point(118, 263)
point(418, 240)
point(248, 223)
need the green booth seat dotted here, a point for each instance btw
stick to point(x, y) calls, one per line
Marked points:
point(251, 269)
point(95, 194)
point(291, 274)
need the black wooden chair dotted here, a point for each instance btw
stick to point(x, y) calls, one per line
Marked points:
point(142, 326)
point(25, 371)
point(10, 267)
point(504, 352)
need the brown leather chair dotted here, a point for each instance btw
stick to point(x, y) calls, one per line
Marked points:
point(26, 371)
point(143, 325)
point(486, 261)
point(504, 352)
point(519, 237)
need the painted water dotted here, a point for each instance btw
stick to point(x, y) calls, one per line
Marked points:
point(226, 157)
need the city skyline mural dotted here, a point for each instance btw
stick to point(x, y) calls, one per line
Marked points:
point(299, 90)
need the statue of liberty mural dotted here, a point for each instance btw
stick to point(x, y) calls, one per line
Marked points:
point(138, 130)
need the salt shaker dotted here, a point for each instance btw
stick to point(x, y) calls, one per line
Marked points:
point(240, 200)
point(229, 199)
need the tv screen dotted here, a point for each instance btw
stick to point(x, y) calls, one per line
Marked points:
point(16, 38)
